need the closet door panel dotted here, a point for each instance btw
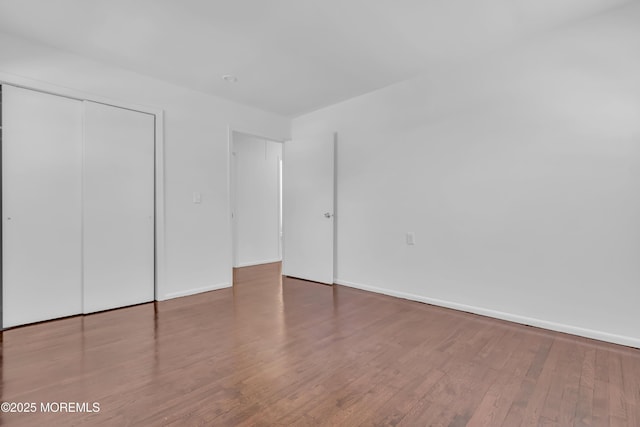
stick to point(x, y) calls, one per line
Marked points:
point(118, 207)
point(41, 196)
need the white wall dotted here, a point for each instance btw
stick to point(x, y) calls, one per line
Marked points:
point(519, 174)
point(197, 236)
point(257, 199)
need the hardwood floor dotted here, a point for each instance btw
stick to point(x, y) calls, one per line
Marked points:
point(274, 351)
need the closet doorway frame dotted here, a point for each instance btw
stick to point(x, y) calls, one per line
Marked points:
point(159, 200)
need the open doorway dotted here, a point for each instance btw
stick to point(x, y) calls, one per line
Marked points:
point(256, 200)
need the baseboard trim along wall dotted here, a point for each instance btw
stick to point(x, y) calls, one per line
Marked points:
point(252, 263)
point(194, 291)
point(544, 324)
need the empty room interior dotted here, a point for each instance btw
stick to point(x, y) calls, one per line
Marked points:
point(331, 213)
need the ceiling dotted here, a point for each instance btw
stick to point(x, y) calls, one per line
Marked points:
point(290, 56)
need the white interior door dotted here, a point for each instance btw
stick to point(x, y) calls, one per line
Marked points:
point(308, 227)
point(41, 197)
point(118, 208)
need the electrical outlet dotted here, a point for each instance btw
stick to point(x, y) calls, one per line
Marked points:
point(411, 238)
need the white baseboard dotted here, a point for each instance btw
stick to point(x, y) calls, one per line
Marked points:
point(194, 291)
point(251, 263)
point(559, 327)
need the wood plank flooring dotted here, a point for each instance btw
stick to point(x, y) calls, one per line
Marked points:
point(280, 351)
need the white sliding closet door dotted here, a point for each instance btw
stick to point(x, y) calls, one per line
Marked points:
point(118, 208)
point(41, 196)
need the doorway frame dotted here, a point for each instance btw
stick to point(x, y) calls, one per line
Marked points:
point(159, 198)
point(231, 190)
